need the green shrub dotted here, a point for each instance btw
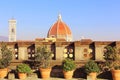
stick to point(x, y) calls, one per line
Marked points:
point(43, 57)
point(6, 56)
point(110, 53)
point(23, 68)
point(68, 64)
point(91, 66)
point(112, 57)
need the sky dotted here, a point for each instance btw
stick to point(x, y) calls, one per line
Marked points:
point(98, 20)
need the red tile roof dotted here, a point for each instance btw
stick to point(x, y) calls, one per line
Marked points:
point(59, 28)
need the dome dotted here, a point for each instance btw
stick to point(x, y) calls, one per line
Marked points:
point(60, 30)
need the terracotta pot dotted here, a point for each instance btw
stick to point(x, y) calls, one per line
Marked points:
point(22, 75)
point(85, 55)
point(115, 74)
point(68, 74)
point(45, 73)
point(93, 75)
point(88, 56)
point(3, 72)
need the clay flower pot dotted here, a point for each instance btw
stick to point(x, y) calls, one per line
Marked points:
point(68, 74)
point(45, 73)
point(93, 75)
point(3, 72)
point(22, 75)
point(115, 74)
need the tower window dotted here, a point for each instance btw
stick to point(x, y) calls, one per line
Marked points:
point(12, 30)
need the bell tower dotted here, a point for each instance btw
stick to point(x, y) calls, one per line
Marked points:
point(12, 30)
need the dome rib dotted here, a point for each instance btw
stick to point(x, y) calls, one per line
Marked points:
point(57, 28)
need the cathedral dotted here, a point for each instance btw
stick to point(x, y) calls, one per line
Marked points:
point(59, 41)
point(60, 30)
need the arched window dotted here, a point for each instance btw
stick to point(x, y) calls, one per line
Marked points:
point(12, 30)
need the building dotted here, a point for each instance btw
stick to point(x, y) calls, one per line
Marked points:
point(12, 30)
point(59, 41)
point(77, 50)
point(60, 30)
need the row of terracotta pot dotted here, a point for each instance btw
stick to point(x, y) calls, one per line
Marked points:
point(45, 73)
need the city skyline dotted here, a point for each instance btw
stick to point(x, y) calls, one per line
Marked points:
point(93, 19)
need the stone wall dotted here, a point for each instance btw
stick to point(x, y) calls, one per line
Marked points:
point(79, 49)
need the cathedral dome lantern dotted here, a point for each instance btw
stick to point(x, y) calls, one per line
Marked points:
point(60, 30)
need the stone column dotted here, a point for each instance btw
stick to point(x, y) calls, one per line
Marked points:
point(59, 51)
point(78, 51)
point(99, 51)
point(22, 54)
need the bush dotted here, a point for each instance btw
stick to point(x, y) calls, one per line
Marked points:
point(91, 66)
point(23, 68)
point(68, 64)
point(6, 56)
point(110, 53)
point(43, 57)
point(112, 57)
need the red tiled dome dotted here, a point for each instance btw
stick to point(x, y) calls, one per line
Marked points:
point(60, 30)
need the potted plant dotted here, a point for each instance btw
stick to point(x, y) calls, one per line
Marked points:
point(112, 57)
point(6, 57)
point(43, 57)
point(68, 66)
point(92, 69)
point(22, 70)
